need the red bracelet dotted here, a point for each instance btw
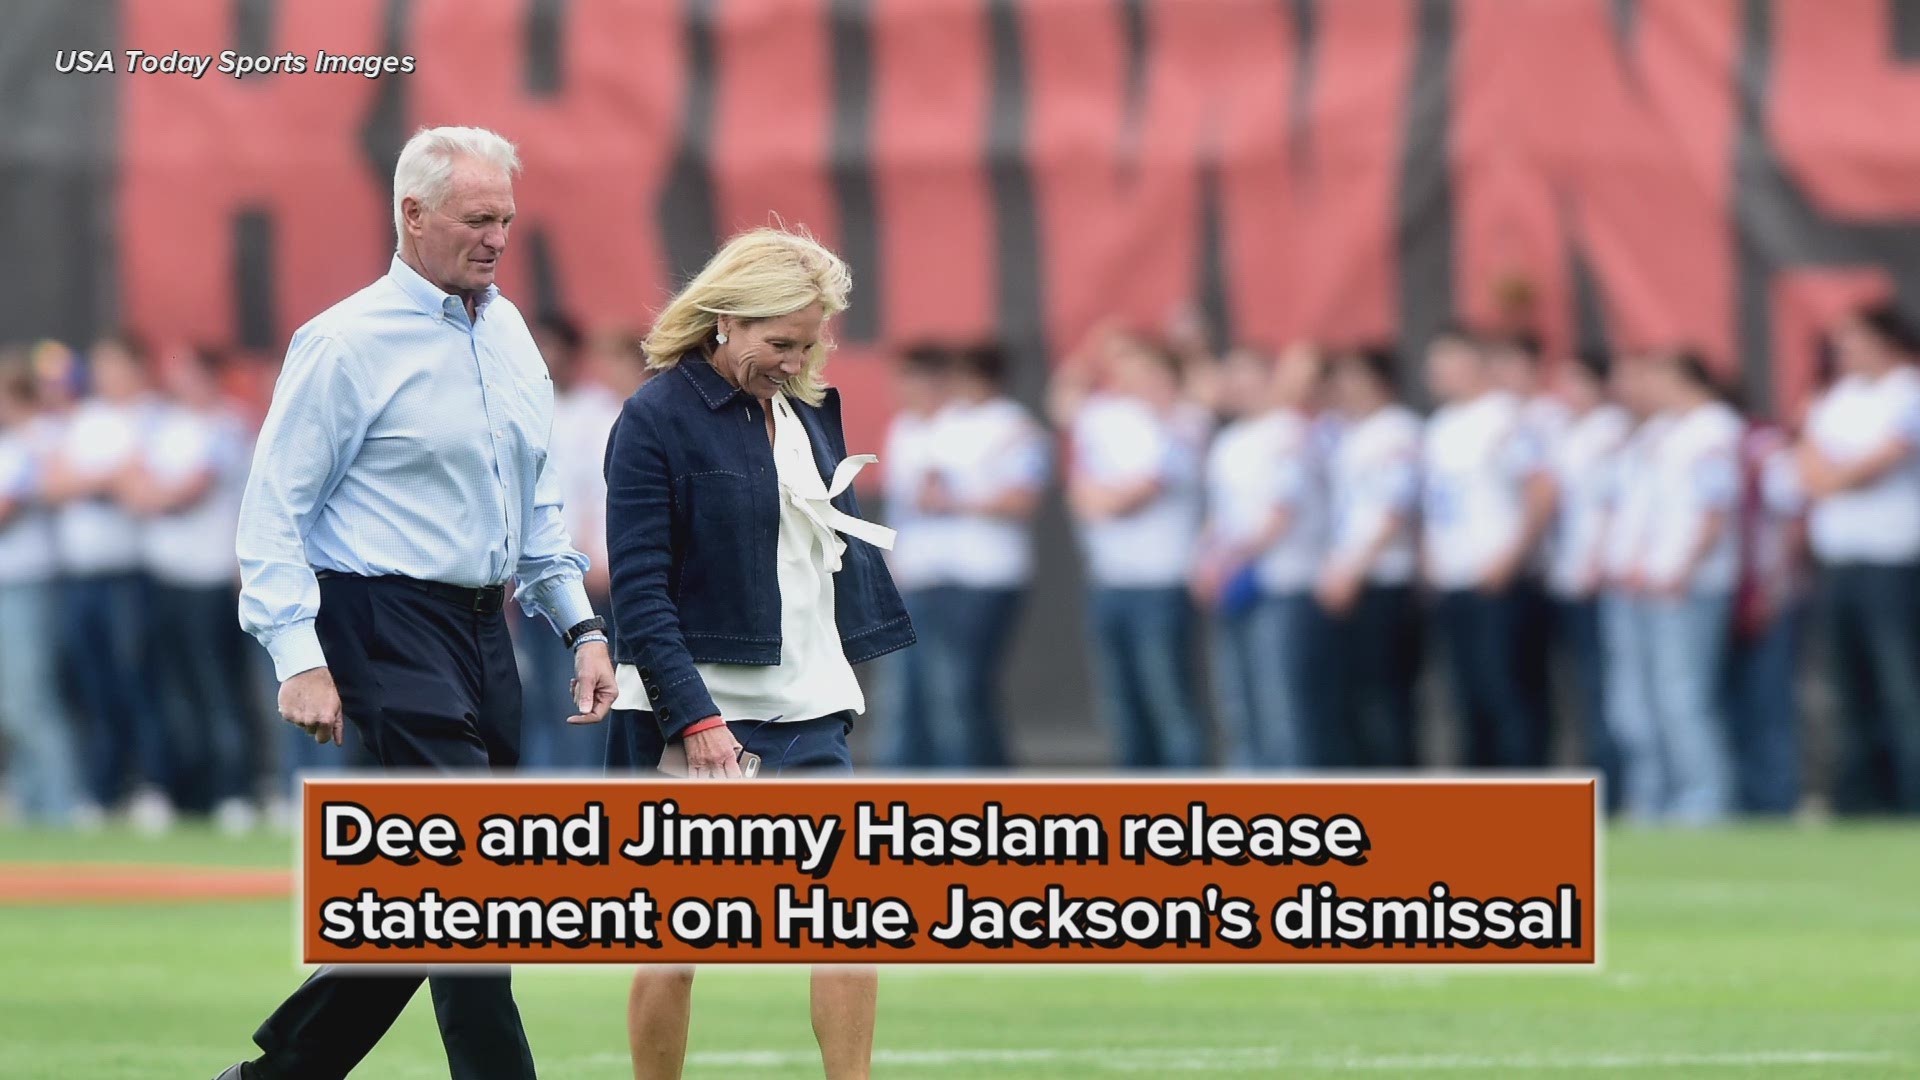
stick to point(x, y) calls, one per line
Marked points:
point(708, 724)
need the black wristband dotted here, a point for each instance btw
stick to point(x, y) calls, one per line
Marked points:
point(581, 628)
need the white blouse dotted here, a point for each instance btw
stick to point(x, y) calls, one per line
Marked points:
point(813, 678)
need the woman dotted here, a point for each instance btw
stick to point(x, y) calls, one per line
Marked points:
point(1366, 582)
point(1689, 568)
point(1860, 468)
point(739, 607)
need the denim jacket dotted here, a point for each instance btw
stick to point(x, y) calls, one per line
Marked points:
point(693, 524)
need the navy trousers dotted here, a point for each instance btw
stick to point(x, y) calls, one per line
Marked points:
point(106, 623)
point(1376, 665)
point(426, 683)
point(1487, 662)
point(1873, 637)
point(191, 631)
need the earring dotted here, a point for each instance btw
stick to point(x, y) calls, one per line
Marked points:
point(719, 337)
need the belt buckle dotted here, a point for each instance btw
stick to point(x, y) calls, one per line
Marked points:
point(489, 599)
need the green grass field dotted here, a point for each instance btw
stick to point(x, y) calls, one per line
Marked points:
point(1765, 952)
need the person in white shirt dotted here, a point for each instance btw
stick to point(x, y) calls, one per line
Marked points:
point(1582, 461)
point(41, 778)
point(1487, 495)
point(1770, 607)
point(920, 387)
point(185, 487)
point(591, 378)
point(106, 593)
point(1367, 578)
point(1860, 467)
point(1515, 360)
point(1625, 608)
point(746, 586)
point(989, 464)
point(1679, 767)
point(1260, 553)
point(1134, 491)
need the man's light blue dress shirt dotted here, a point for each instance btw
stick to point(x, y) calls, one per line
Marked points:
point(407, 439)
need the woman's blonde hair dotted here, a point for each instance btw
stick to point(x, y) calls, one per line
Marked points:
point(760, 274)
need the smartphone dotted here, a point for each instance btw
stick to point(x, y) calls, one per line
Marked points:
point(749, 764)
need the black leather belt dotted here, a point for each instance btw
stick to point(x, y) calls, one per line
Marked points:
point(486, 600)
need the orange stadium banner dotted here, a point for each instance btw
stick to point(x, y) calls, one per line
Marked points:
point(1725, 173)
point(1232, 871)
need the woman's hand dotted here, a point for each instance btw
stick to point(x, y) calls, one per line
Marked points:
point(712, 753)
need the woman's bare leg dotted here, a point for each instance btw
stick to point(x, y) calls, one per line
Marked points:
point(658, 1008)
point(844, 1001)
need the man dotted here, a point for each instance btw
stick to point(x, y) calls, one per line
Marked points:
point(585, 405)
point(399, 481)
point(1487, 500)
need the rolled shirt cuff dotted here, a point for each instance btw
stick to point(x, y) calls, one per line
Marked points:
point(565, 604)
point(296, 648)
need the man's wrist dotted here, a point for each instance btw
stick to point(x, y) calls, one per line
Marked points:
point(296, 649)
point(589, 638)
point(578, 632)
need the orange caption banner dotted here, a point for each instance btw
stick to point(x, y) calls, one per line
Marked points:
point(948, 871)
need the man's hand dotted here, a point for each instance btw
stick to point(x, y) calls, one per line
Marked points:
point(936, 497)
point(1817, 474)
point(712, 753)
point(1208, 578)
point(1339, 589)
point(1667, 588)
point(1501, 574)
point(310, 702)
point(594, 688)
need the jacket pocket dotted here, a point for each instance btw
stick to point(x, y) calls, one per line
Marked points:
point(719, 589)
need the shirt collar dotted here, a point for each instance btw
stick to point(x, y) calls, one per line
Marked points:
point(714, 389)
point(429, 297)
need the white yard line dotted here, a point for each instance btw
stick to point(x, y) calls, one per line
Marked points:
point(1219, 1059)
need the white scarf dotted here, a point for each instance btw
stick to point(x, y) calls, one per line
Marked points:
point(801, 485)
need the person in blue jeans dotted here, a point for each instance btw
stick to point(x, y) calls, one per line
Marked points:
point(186, 489)
point(590, 380)
point(989, 461)
point(1689, 566)
point(1134, 491)
point(1581, 460)
point(1365, 585)
point(106, 594)
point(918, 561)
point(1763, 667)
point(1624, 606)
point(40, 778)
point(1263, 544)
point(1488, 498)
point(1859, 465)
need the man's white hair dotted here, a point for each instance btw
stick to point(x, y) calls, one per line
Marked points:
point(425, 169)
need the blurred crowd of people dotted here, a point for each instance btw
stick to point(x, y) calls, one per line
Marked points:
point(1602, 554)
point(126, 684)
point(1607, 559)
